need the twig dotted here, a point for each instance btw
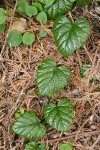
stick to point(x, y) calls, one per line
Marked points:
point(77, 134)
point(9, 28)
point(79, 59)
point(72, 136)
point(70, 16)
point(98, 139)
point(88, 54)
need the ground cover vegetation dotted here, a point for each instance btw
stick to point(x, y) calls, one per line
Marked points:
point(50, 74)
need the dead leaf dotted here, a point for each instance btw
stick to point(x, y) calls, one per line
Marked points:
point(19, 25)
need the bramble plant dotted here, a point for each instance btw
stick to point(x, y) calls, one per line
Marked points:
point(69, 36)
point(51, 78)
point(35, 146)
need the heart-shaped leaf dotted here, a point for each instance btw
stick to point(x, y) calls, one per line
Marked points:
point(70, 36)
point(59, 7)
point(31, 11)
point(29, 126)
point(38, 6)
point(14, 38)
point(34, 146)
point(51, 78)
point(42, 17)
point(59, 116)
point(28, 38)
point(22, 4)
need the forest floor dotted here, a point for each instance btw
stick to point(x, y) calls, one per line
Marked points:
point(18, 87)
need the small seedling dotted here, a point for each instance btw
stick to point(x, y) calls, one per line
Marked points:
point(31, 11)
point(42, 33)
point(26, 9)
point(14, 38)
point(22, 4)
point(38, 6)
point(83, 69)
point(28, 38)
point(42, 17)
point(19, 113)
point(67, 146)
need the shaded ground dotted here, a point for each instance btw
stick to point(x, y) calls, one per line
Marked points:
point(18, 68)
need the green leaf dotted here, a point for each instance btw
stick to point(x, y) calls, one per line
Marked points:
point(42, 147)
point(51, 78)
point(20, 2)
point(72, 0)
point(19, 113)
point(42, 33)
point(2, 28)
point(42, 17)
point(22, 7)
point(2, 16)
point(34, 146)
point(83, 69)
point(49, 2)
point(14, 38)
point(38, 6)
point(31, 11)
point(28, 38)
point(83, 2)
point(59, 116)
point(66, 146)
point(42, 2)
point(59, 7)
point(29, 126)
point(70, 36)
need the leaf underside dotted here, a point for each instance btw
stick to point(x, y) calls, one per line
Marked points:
point(70, 36)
